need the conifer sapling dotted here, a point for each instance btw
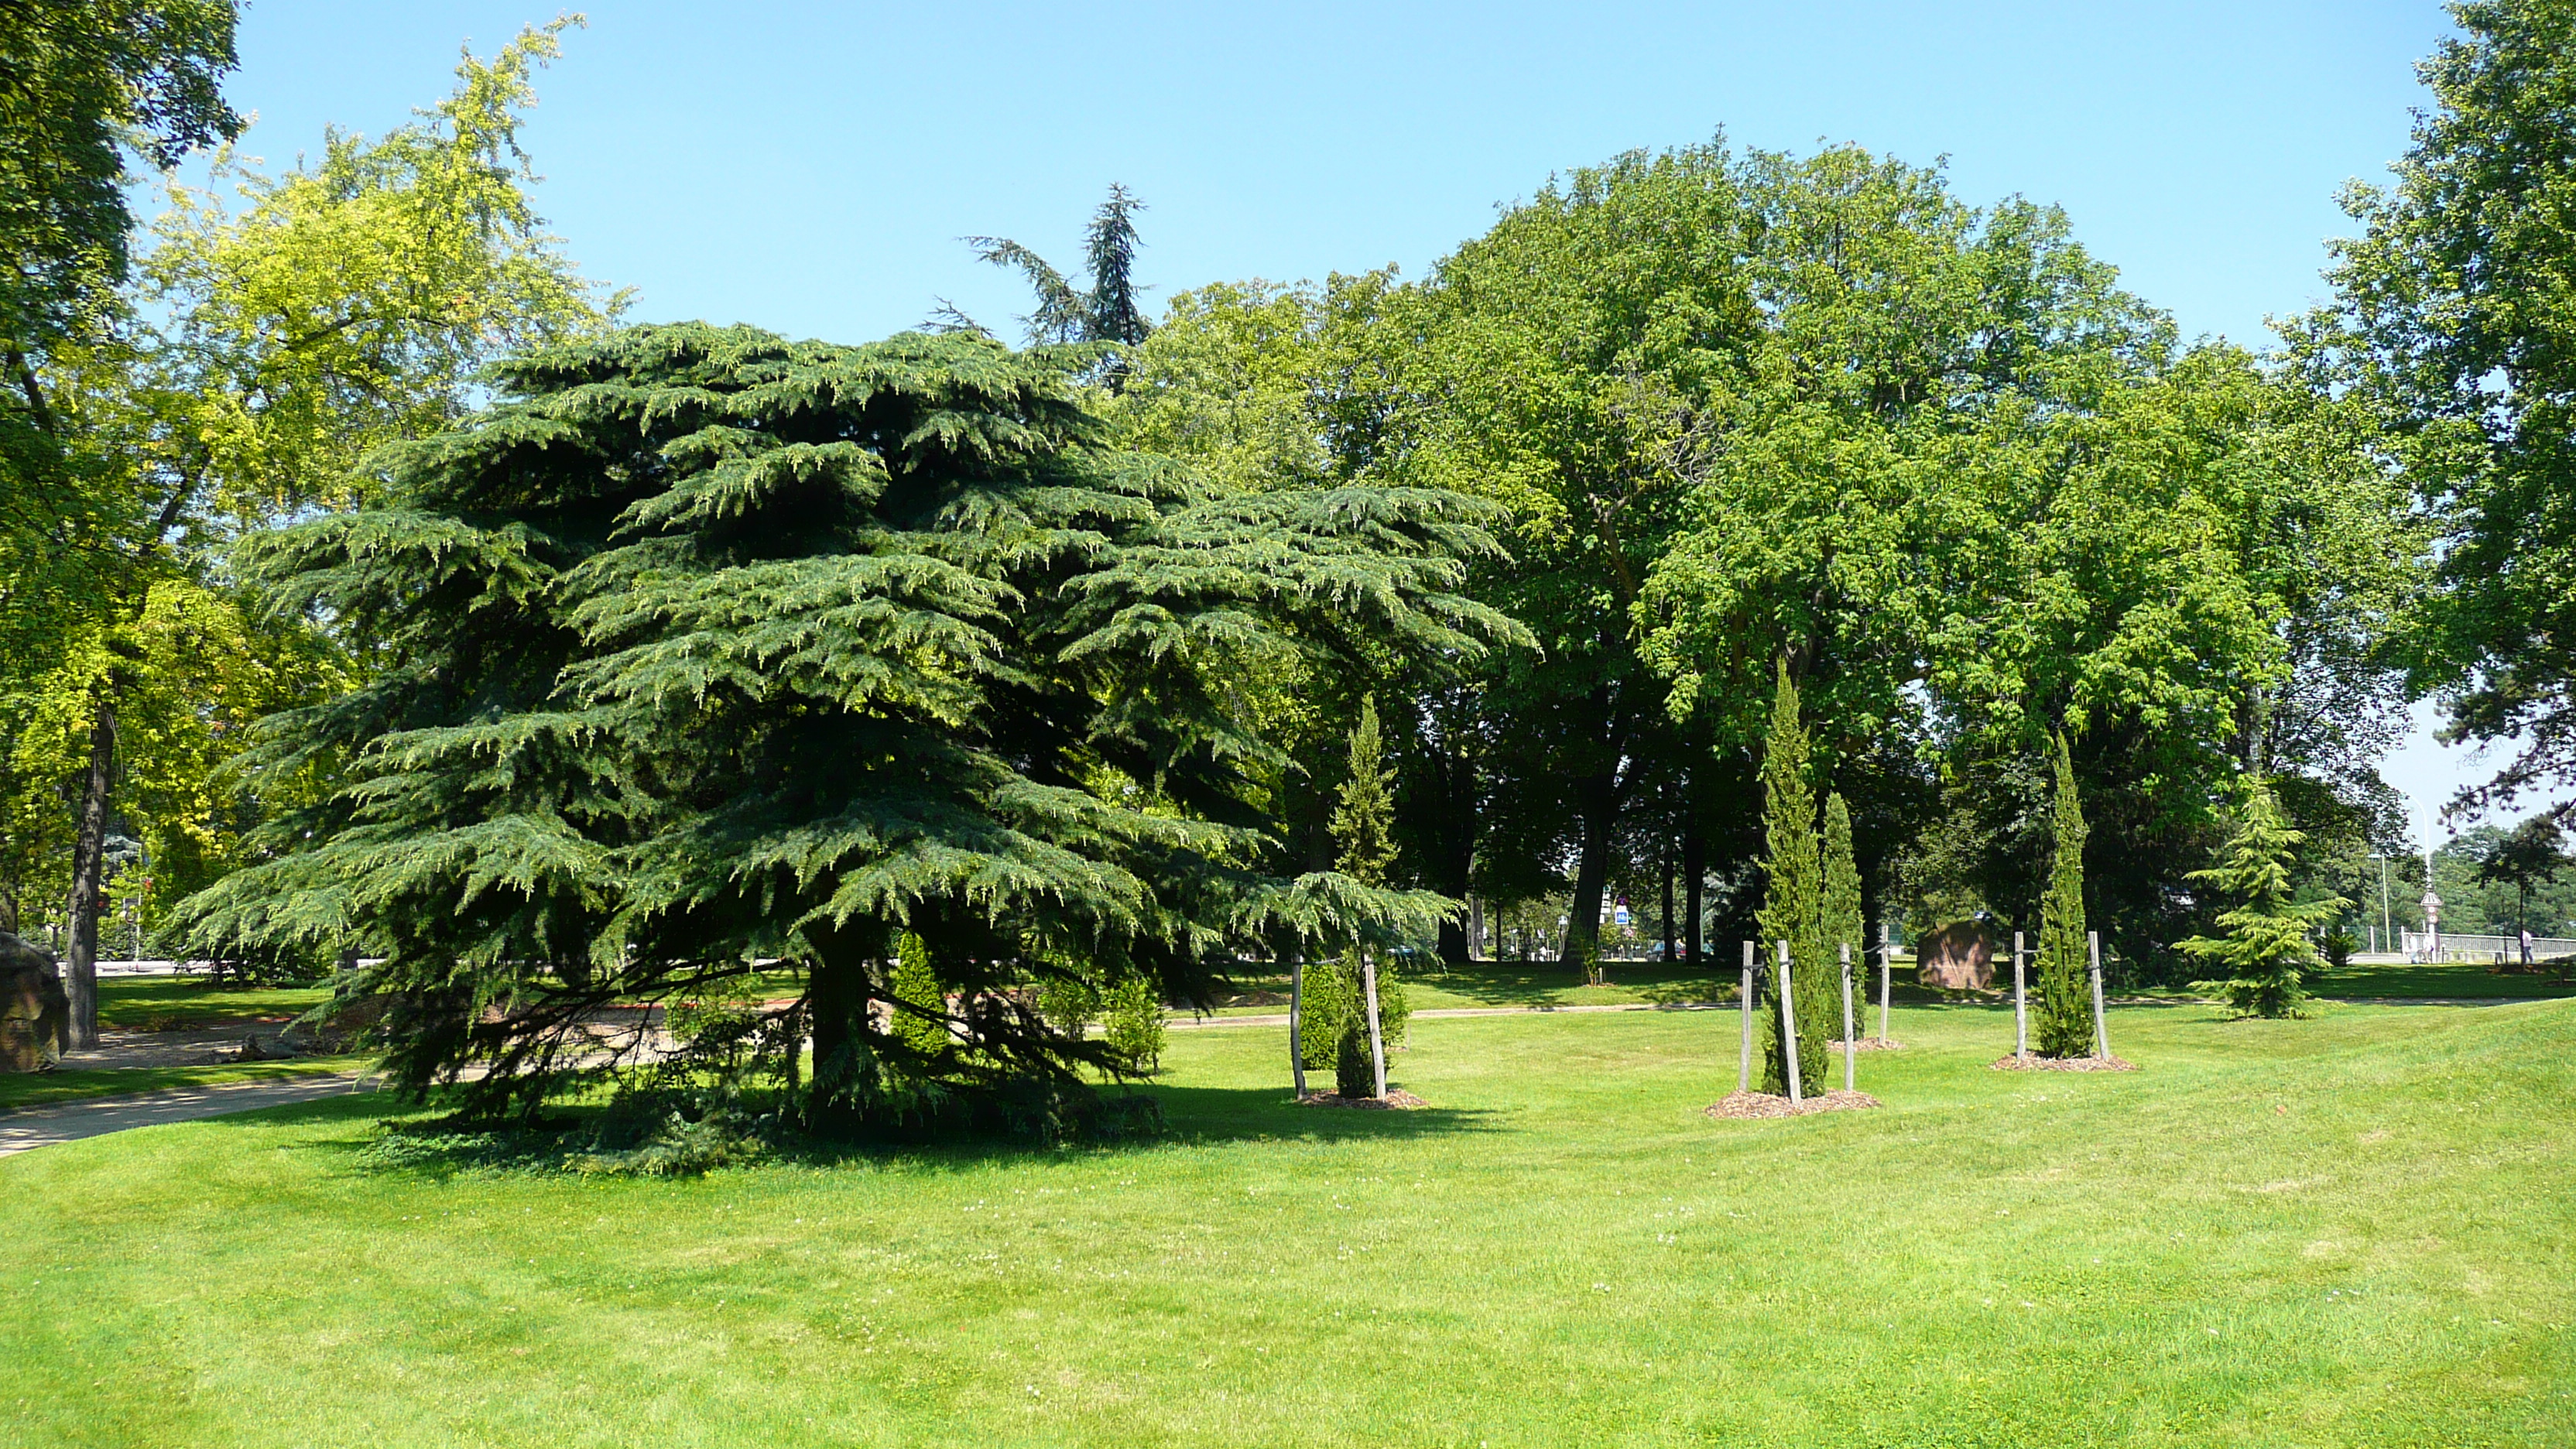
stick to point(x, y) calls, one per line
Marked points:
point(1793, 898)
point(2065, 971)
point(2266, 945)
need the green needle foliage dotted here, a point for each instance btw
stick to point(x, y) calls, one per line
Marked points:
point(1364, 825)
point(1844, 914)
point(2267, 945)
point(920, 1005)
point(705, 647)
point(1793, 902)
point(2065, 972)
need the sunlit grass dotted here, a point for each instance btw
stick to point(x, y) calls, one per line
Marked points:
point(2353, 1230)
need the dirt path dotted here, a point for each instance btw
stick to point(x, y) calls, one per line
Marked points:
point(98, 1116)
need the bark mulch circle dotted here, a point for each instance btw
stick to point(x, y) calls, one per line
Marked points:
point(1396, 1097)
point(2064, 1064)
point(1763, 1104)
point(1868, 1044)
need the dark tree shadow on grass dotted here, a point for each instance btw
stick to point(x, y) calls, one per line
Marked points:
point(415, 1141)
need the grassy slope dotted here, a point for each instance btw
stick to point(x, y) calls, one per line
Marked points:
point(2351, 1230)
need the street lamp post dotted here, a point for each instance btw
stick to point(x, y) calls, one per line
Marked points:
point(2387, 927)
point(2432, 916)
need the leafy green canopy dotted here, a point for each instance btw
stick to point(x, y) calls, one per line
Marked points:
point(2454, 322)
point(259, 352)
point(83, 85)
point(1793, 904)
point(2266, 947)
point(2065, 963)
point(706, 646)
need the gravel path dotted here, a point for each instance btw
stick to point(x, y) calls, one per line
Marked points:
point(98, 1116)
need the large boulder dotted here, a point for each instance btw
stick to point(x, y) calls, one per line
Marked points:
point(1958, 957)
point(35, 1015)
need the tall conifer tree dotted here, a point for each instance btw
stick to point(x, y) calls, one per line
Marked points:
point(2065, 970)
point(1364, 826)
point(2267, 942)
point(705, 646)
point(1793, 900)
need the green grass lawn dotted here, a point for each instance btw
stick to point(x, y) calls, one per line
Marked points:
point(2447, 980)
point(188, 1003)
point(2351, 1230)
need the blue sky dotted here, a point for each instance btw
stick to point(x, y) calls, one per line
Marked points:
point(809, 167)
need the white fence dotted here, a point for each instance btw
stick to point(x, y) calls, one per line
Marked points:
point(2419, 946)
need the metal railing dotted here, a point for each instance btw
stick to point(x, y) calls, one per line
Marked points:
point(2470, 947)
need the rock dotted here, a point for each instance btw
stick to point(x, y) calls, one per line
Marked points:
point(338, 1027)
point(35, 1015)
point(1957, 957)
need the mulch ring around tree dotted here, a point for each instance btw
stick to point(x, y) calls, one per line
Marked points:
point(1396, 1097)
point(2064, 1064)
point(1867, 1044)
point(1763, 1104)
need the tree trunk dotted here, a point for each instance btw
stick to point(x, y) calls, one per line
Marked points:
point(1694, 866)
point(1453, 939)
point(1668, 903)
point(1297, 1021)
point(89, 857)
point(837, 993)
point(1598, 799)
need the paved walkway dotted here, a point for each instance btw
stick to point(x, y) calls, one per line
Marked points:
point(98, 1116)
point(1434, 1013)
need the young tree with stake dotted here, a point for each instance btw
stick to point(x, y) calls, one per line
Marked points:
point(1793, 899)
point(2065, 997)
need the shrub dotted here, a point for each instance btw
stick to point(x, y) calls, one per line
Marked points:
point(1135, 1024)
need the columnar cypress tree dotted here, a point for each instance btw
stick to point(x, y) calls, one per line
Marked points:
point(1364, 825)
point(1844, 914)
point(1793, 901)
point(2065, 970)
point(2267, 943)
point(704, 646)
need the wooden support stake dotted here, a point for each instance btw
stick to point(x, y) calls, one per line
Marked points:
point(2101, 1028)
point(1851, 1047)
point(1744, 1072)
point(1377, 1048)
point(1789, 1026)
point(2021, 1008)
point(1886, 970)
point(1297, 1009)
